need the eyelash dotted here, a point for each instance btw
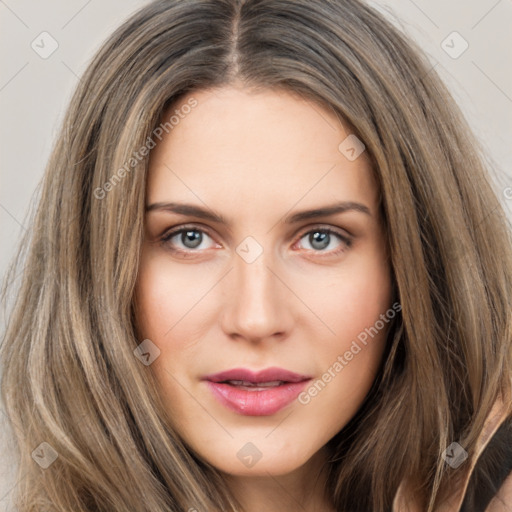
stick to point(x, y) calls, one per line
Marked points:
point(346, 241)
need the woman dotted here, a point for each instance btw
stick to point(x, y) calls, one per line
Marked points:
point(267, 272)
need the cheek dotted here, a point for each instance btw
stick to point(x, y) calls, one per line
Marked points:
point(170, 307)
point(347, 361)
point(162, 302)
point(165, 295)
point(356, 306)
point(351, 298)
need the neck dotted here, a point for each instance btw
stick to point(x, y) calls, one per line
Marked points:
point(302, 489)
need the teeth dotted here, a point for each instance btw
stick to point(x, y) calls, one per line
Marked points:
point(246, 383)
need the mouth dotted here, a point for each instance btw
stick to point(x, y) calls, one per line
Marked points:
point(256, 394)
point(254, 386)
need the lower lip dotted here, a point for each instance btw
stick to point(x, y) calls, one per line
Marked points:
point(256, 403)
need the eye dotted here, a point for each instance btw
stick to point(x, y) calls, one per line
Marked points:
point(321, 238)
point(190, 237)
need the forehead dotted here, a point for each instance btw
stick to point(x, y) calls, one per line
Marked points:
point(268, 144)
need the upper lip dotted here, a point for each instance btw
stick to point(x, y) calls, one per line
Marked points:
point(266, 375)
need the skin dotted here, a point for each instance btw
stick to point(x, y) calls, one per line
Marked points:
point(256, 157)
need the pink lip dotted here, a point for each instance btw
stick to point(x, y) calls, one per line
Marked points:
point(261, 402)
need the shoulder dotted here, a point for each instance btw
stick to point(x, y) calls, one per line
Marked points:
point(488, 482)
point(491, 478)
point(502, 502)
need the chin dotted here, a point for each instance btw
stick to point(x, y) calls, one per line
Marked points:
point(259, 457)
point(262, 468)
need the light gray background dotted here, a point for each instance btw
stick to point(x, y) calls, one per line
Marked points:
point(35, 91)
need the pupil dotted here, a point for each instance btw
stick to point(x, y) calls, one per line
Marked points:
point(191, 239)
point(324, 240)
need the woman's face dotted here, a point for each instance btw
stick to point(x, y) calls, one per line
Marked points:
point(255, 282)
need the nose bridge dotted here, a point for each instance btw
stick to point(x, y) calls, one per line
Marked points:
point(258, 308)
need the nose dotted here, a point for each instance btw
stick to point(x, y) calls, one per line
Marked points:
point(260, 304)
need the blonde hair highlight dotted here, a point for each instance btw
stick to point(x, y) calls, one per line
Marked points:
point(69, 375)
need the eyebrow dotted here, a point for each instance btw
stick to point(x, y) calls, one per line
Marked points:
point(207, 214)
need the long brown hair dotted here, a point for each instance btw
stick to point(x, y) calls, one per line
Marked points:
point(70, 378)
